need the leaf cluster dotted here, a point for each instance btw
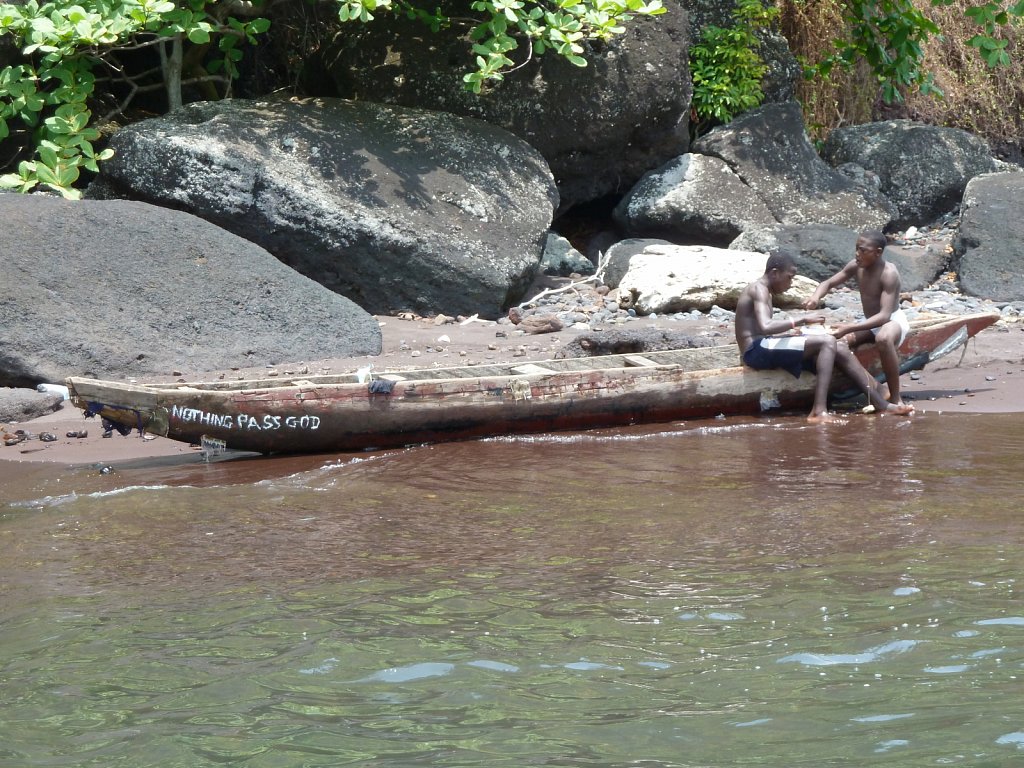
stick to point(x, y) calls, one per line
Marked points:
point(64, 45)
point(991, 16)
point(558, 26)
point(890, 36)
point(726, 67)
point(67, 46)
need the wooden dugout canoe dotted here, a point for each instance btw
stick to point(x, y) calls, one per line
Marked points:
point(332, 413)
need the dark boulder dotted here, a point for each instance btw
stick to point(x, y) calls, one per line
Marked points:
point(769, 150)
point(599, 127)
point(396, 209)
point(821, 250)
point(922, 169)
point(621, 342)
point(989, 247)
point(693, 199)
point(118, 288)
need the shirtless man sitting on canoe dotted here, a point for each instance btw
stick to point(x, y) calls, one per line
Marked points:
point(884, 322)
point(767, 343)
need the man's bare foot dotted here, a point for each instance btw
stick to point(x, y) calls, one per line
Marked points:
point(824, 418)
point(899, 409)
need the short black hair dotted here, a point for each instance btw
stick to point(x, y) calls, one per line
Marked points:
point(780, 259)
point(876, 237)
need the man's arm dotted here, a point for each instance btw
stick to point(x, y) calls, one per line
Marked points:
point(888, 302)
point(763, 311)
point(754, 315)
point(825, 286)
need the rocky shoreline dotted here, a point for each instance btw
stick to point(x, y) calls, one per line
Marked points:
point(558, 312)
point(984, 378)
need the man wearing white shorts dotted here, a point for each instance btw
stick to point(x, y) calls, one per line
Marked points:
point(884, 322)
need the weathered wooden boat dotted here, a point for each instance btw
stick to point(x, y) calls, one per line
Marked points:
point(345, 412)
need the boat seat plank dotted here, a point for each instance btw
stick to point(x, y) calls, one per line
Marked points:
point(531, 368)
point(639, 361)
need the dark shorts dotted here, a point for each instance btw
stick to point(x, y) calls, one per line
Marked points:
point(785, 352)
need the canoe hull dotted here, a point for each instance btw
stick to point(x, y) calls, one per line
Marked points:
point(330, 414)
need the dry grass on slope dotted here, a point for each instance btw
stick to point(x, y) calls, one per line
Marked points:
point(988, 102)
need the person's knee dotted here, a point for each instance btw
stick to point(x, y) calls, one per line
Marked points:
point(888, 334)
point(816, 344)
point(887, 342)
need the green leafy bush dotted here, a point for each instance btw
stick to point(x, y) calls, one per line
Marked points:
point(70, 47)
point(726, 68)
point(559, 26)
point(64, 46)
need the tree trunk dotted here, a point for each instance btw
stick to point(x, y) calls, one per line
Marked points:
point(172, 72)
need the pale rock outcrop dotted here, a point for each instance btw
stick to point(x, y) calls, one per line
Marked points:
point(666, 279)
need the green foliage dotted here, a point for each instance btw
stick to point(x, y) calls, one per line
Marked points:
point(725, 66)
point(890, 34)
point(65, 44)
point(990, 17)
point(558, 26)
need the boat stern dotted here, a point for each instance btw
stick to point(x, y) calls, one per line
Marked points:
point(120, 404)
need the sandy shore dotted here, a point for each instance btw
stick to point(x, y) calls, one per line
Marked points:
point(986, 378)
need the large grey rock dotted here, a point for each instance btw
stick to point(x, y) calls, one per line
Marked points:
point(989, 247)
point(397, 209)
point(919, 265)
point(600, 127)
point(560, 258)
point(677, 278)
point(769, 150)
point(117, 288)
point(922, 169)
point(821, 250)
point(695, 199)
point(20, 404)
point(617, 258)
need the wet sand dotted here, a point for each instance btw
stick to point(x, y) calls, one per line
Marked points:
point(985, 377)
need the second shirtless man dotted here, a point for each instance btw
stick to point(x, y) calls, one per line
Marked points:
point(884, 322)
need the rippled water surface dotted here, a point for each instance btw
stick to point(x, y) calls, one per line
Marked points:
point(723, 593)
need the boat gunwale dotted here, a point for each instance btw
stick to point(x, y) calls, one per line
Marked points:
point(675, 361)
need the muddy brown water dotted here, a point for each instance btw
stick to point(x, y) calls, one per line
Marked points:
point(721, 593)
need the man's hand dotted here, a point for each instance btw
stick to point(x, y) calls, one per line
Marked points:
point(841, 330)
point(811, 303)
